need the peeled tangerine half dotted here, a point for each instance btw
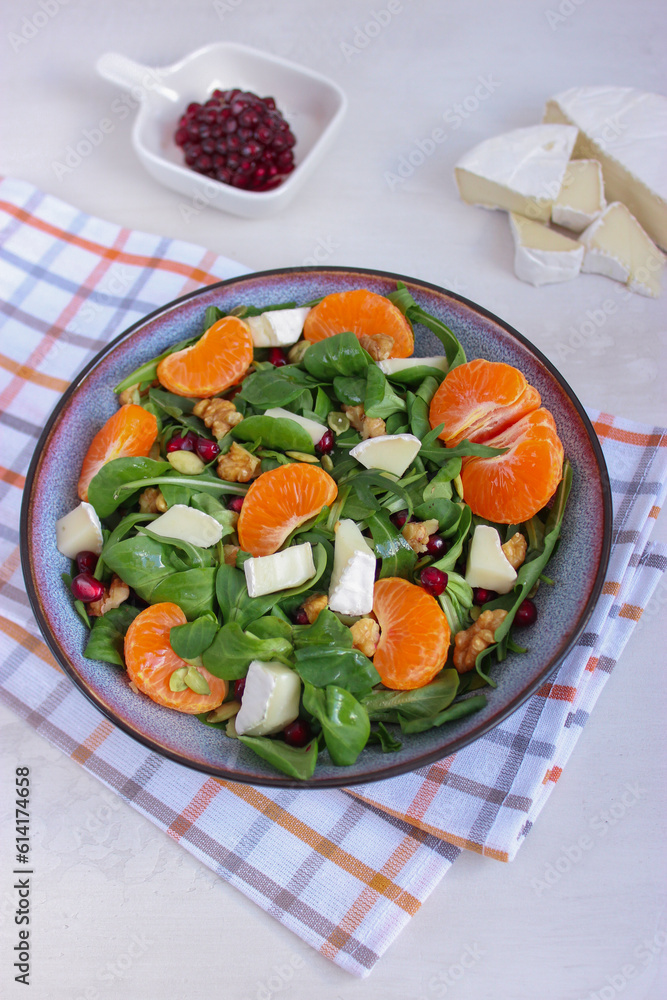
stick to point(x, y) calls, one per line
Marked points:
point(365, 314)
point(129, 432)
point(414, 634)
point(219, 359)
point(151, 661)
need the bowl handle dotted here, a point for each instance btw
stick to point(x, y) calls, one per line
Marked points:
point(131, 75)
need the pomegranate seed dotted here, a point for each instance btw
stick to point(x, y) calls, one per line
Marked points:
point(399, 518)
point(86, 588)
point(526, 613)
point(235, 504)
point(436, 545)
point(433, 580)
point(239, 688)
point(187, 443)
point(181, 136)
point(300, 617)
point(86, 562)
point(481, 596)
point(326, 443)
point(277, 357)
point(297, 734)
point(207, 450)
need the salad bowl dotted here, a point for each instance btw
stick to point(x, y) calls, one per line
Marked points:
point(577, 568)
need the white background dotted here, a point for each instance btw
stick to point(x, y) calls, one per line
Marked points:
point(106, 877)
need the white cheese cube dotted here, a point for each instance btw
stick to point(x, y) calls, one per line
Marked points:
point(488, 566)
point(617, 246)
point(353, 576)
point(541, 255)
point(280, 571)
point(270, 699)
point(79, 531)
point(188, 524)
point(315, 430)
point(581, 197)
point(278, 327)
point(393, 365)
point(521, 171)
point(389, 452)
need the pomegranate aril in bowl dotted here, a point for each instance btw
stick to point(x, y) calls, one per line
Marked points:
point(86, 562)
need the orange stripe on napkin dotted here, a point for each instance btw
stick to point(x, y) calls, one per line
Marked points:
point(604, 428)
point(92, 742)
point(194, 809)
point(30, 375)
point(611, 587)
point(28, 641)
point(631, 611)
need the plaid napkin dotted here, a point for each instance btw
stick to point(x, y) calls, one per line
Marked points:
point(345, 870)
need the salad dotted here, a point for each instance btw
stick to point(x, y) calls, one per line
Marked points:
point(310, 539)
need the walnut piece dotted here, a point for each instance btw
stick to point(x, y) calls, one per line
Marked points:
point(469, 643)
point(238, 465)
point(417, 534)
point(114, 594)
point(368, 427)
point(230, 553)
point(365, 636)
point(378, 345)
point(151, 501)
point(129, 395)
point(220, 415)
point(313, 605)
point(515, 550)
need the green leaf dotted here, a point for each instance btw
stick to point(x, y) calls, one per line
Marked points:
point(415, 375)
point(108, 635)
point(117, 473)
point(209, 505)
point(271, 627)
point(456, 602)
point(194, 557)
point(192, 590)
point(405, 302)
point(275, 432)
point(456, 536)
point(148, 371)
point(341, 354)
point(266, 389)
point(344, 721)
point(387, 740)
point(323, 406)
point(211, 316)
point(440, 485)
point(321, 665)
point(391, 548)
point(380, 399)
point(232, 651)
point(456, 711)
point(190, 640)
point(418, 416)
point(141, 562)
point(350, 391)
point(446, 512)
point(326, 630)
point(419, 703)
point(296, 762)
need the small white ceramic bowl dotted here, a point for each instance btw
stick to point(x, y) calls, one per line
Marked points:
point(313, 105)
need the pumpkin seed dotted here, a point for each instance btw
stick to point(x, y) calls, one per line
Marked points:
point(475, 612)
point(296, 353)
point(327, 464)
point(300, 456)
point(230, 729)
point(196, 681)
point(186, 462)
point(225, 711)
point(458, 486)
point(177, 680)
point(338, 422)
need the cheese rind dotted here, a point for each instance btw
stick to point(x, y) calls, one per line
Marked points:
point(353, 575)
point(617, 246)
point(188, 524)
point(270, 699)
point(279, 571)
point(389, 452)
point(626, 130)
point(541, 255)
point(581, 198)
point(278, 327)
point(79, 531)
point(315, 430)
point(488, 566)
point(520, 171)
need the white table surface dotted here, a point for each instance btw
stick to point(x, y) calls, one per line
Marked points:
point(122, 911)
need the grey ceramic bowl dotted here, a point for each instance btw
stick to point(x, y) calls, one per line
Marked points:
point(578, 566)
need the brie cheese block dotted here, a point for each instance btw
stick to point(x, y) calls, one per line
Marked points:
point(521, 171)
point(393, 365)
point(541, 255)
point(626, 130)
point(278, 327)
point(353, 576)
point(488, 566)
point(188, 524)
point(389, 452)
point(79, 531)
point(617, 246)
point(315, 430)
point(581, 197)
point(270, 699)
point(280, 571)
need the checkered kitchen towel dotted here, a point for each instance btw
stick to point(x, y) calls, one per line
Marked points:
point(344, 871)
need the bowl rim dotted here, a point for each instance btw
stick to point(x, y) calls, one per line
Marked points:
point(281, 780)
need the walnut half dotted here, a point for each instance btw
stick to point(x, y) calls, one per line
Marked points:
point(378, 345)
point(368, 427)
point(469, 643)
point(515, 550)
point(313, 605)
point(366, 636)
point(238, 465)
point(417, 534)
point(220, 415)
point(114, 595)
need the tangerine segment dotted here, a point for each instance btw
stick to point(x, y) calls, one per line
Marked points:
point(479, 399)
point(129, 432)
point(151, 661)
point(279, 501)
point(219, 359)
point(414, 634)
point(362, 312)
point(511, 488)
